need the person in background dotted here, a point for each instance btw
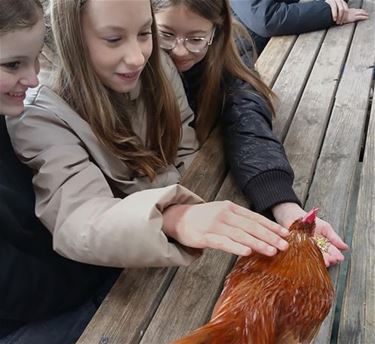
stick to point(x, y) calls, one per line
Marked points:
point(267, 18)
point(199, 37)
point(38, 286)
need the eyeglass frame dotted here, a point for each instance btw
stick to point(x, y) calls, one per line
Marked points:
point(177, 40)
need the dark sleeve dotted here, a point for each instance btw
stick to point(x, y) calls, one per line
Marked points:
point(269, 18)
point(36, 283)
point(256, 158)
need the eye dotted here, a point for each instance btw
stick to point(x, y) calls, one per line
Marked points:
point(112, 39)
point(196, 40)
point(145, 35)
point(167, 36)
point(12, 65)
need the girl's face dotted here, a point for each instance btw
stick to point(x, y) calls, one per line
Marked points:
point(181, 23)
point(19, 66)
point(119, 40)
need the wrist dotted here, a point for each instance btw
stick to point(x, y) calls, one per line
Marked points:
point(172, 217)
point(286, 213)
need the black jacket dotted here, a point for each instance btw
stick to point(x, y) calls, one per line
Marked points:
point(256, 158)
point(35, 281)
point(267, 18)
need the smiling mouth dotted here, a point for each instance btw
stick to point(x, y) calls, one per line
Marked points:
point(129, 76)
point(182, 62)
point(17, 95)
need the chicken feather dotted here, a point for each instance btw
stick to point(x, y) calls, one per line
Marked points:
point(272, 300)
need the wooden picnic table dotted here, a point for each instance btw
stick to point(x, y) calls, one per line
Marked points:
point(326, 120)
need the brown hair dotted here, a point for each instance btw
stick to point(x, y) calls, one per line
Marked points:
point(19, 14)
point(222, 57)
point(107, 111)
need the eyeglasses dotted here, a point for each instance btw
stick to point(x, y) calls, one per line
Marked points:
point(169, 41)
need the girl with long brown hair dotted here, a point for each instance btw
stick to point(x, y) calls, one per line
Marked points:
point(109, 142)
point(204, 42)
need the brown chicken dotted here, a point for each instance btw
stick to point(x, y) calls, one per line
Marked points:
point(281, 299)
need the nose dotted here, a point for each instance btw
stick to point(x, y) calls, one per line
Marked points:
point(133, 56)
point(30, 77)
point(180, 50)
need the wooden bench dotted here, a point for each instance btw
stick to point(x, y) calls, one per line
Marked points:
point(325, 83)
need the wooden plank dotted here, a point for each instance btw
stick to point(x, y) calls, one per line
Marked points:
point(128, 308)
point(306, 132)
point(357, 323)
point(331, 186)
point(292, 78)
point(190, 298)
point(194, 290)
point(273, 57)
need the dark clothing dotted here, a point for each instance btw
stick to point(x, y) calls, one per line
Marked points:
point(267, 18)
point(256, 158)
point(35, 281)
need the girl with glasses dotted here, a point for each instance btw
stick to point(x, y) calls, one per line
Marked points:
point(199, 37)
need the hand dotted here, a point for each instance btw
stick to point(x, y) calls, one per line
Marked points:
point(286, 213)
point(354, 15)
point(339, 9)
point(225, 226)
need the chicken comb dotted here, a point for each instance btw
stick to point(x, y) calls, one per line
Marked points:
point(310, 217)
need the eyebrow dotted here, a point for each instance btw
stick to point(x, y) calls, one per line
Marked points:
point(195, 32)
point(119, 28)
point(10, 58)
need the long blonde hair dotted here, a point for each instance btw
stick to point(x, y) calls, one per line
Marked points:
point(107, 111)
point(222, 57)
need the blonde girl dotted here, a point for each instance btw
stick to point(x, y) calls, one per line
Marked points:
point(109, 143)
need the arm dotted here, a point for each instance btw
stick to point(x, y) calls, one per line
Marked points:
point(269, 18)
point(256, 158)
point(76, 203)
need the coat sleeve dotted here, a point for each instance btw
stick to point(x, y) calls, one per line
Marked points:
point(256, 157)
point(76, 203)
point(269, 18)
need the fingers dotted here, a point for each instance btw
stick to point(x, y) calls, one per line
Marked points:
point(333, 256)
point(333, 10)
point(223, 243)
point(257, 240)
point(252, 216)
point(326, 229)
point(342, 9)
point(360, 14)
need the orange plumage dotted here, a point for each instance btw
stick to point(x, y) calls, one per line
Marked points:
point(268, 300)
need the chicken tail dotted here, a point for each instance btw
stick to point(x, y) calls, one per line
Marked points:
point(213, 333)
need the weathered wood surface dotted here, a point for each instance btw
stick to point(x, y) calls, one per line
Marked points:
point(127, 311)
point(156, 306)
point(332, 184)
point(358, 314)
point(194, 290)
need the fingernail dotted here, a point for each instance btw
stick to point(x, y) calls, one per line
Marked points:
point(271, 249)
point(284, 231)
point(283, 245)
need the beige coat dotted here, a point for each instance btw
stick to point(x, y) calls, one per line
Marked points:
point(96, 212)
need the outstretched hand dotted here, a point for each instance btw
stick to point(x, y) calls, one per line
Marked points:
point(224, 225)
point(342, 14)
point(286, 213)
point(354, 15)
